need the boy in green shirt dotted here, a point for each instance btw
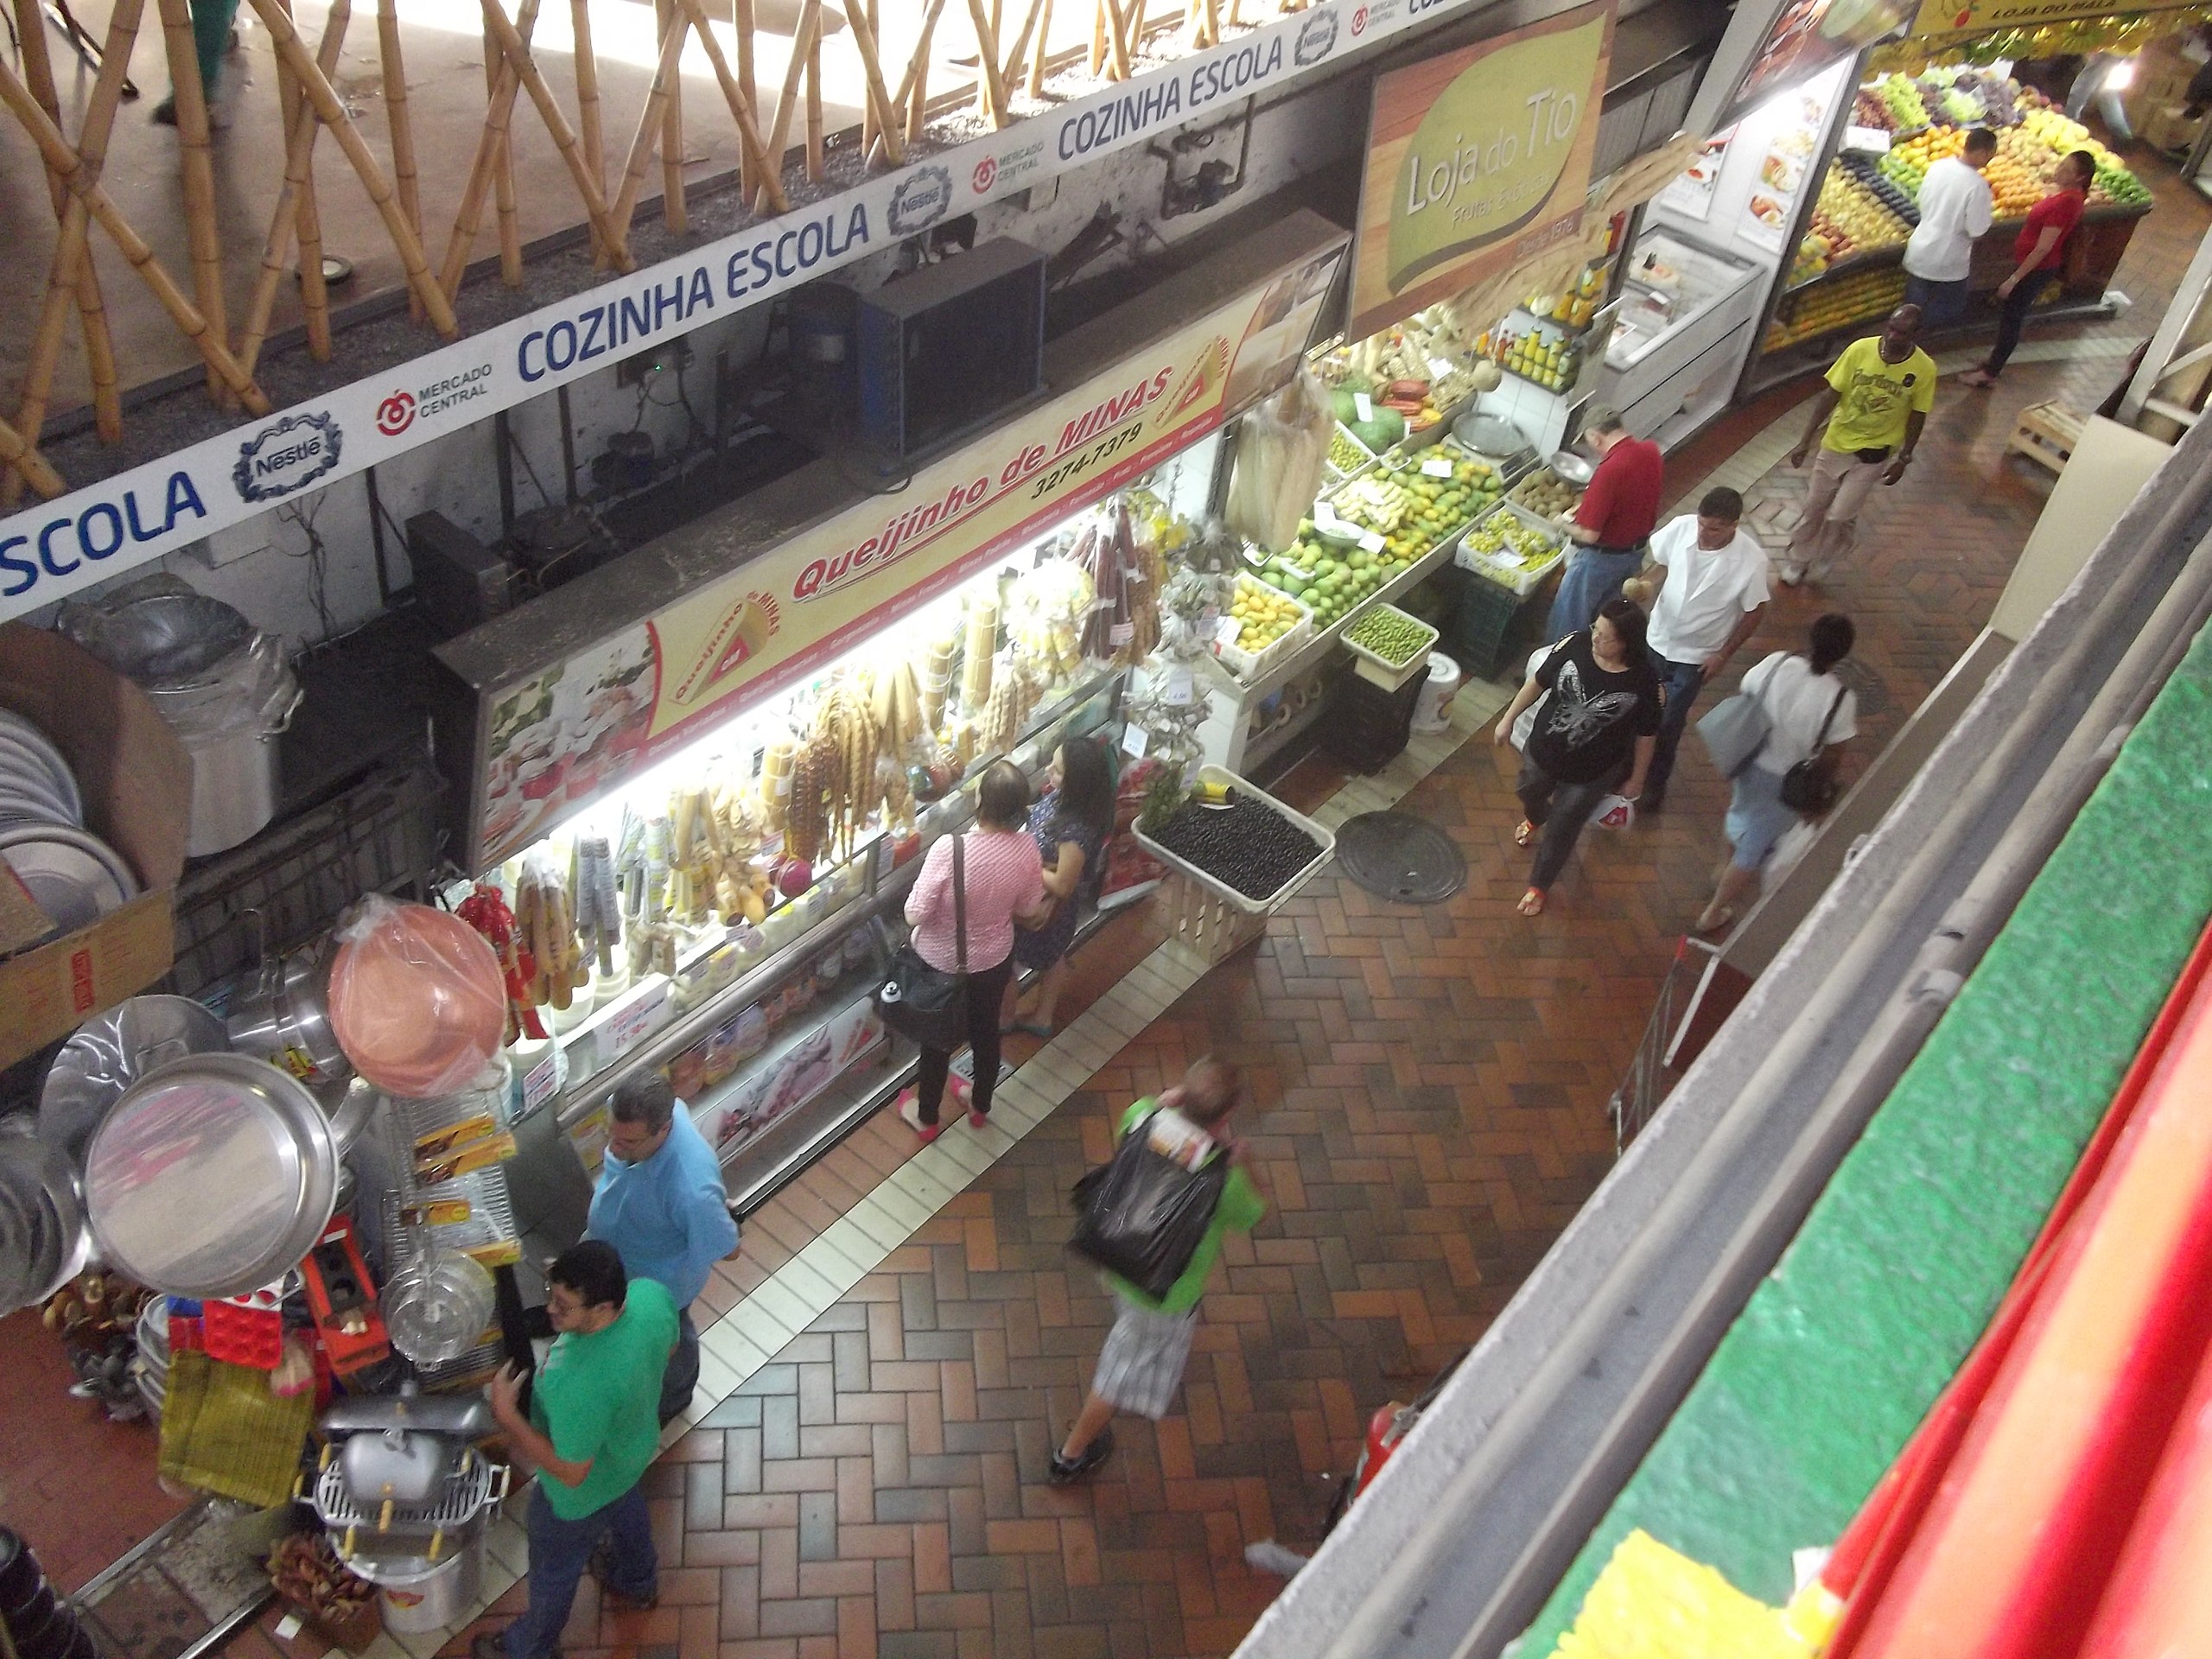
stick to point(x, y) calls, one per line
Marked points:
point(1866, 422)
point(1141, 1368)
point(594, 1429)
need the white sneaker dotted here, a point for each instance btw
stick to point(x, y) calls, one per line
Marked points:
point(1792, 572)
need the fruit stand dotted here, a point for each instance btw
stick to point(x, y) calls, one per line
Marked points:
point(1847, 269)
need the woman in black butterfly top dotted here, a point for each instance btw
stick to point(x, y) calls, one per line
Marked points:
point(1594, 736)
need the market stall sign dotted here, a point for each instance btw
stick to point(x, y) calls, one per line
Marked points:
point(1983, 16)
point(1475, 159)
point(573, 733)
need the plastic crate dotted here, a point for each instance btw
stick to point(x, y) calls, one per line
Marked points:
point(1250, 665)
point(1514, 578)
point(1366, 727)
point(1378, 671)
point(1484, 634)
point(1228, 896)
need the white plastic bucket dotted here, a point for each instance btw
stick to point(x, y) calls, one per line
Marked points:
point(1432, 711)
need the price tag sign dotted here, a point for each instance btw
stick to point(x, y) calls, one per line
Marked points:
point(1436, 467)
point(542, 1081)
point(1135, 741)
point(1230, 628)
point(1325, 517)
point(1372, 541)
point(1364, 404)
point(1439, 366)
point(1871, 140)
point(1121, 633)
point(1178, 689)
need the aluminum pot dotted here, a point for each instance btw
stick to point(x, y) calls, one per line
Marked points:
point(285, 1019)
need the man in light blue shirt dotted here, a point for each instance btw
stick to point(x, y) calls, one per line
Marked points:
point(661, 1204)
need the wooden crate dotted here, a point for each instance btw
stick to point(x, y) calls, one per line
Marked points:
point(1206, 924)
point(2046, 435)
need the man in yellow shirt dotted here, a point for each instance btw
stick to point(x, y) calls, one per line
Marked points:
point(1867, 422)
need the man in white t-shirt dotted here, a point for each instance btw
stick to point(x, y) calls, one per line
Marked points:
point(1955, 207)
point(1707, 588)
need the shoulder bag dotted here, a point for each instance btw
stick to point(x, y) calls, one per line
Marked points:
point(927, 1005)
point(1809, 786)
point(1143, 1216)
point(1525, 726)
point(1735, 730)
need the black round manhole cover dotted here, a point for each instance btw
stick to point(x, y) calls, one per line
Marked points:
point(1398, 856)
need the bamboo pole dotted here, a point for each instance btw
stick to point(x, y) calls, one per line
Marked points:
point(26, 461)
point(510, 44)
point(401, 123)
point(314, 298)
point(196, 152)
point(809, 25)
point(815, 127)
point(1117, 38)
point(1021, 48)
point(588, 122)
point(752, 149)
point(299, 142)
point(1097, 38)
point(871, 140)
point(913, 89)
point(650, 125)
point(86, 187)
point(675, 212)
point(877, 98)
point(72, 253)
point(503, 176)
point(286, 39)
point(749, 174)
point(1036, 62)
point(990, 85)
point(469, 218)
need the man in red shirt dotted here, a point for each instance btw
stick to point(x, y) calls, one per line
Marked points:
point(2041, 250)
point(1611, 524)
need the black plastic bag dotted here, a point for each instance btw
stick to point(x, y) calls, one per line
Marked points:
point(925, 1005)
point(1143, 1215)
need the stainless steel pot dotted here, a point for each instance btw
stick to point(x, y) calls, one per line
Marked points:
point(43, 1240)
point(212, 1177)
point(285, 1019)
point(112, 1050)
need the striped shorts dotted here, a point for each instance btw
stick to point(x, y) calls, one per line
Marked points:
point(1141, 1368)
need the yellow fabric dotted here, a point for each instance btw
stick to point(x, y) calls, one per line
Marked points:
point(1876, 397)
point(1654, 1603)
point(223, 1431)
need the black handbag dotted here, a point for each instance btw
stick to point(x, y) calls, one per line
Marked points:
point(1809, 786)
point(927, 1005)
point(1143, 1215)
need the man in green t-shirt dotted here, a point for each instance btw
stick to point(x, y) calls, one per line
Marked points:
point(593, 1430)
point(1866, 421)
point(1141, 1368)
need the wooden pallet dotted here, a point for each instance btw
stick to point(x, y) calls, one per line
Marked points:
point(2046, 435)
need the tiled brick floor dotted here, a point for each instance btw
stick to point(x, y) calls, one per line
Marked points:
point(1430, 1087)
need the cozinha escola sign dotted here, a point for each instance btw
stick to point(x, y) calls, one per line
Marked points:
point(1477, 158)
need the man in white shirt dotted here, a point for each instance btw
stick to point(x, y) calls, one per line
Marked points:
point(1955, 206)
point(1707, 588)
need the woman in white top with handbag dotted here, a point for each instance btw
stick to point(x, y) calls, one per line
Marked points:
point(1810, 715)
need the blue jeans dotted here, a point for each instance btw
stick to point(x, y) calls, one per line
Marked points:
point(560, 1550)
point(1941, 304)
point(679, 1380)
point(1593, 575)
point(1680, 683)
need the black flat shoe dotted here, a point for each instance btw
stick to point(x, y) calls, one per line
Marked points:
point(1066, 1471)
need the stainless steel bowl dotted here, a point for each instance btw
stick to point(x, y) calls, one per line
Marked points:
point(1576, 469)
point(211, 1176)
point(112, 1050)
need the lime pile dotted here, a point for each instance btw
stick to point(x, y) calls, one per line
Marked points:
point(1391, 635)
point(1503, 539)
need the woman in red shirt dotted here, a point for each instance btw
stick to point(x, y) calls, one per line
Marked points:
point(2041, 250)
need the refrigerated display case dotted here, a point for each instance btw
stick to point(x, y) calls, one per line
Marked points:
point(1686, 316)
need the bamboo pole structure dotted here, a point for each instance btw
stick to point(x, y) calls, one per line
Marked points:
point(749, 175)
point(299, 142)
point(1012, 74)
point(1036, 62)
point(870, 130)
point(817, 131)
point(503, 176)
point(675, 212)
point(86, 187)
point(28, 463)
point(588, 121)
point(803, 37)
point(314, 298)
point(401, 123)
point(73, 253)
point(286, 39)
point(1117, 37)
point(196, 152)
point(510, 44)
point(1097, 38)
point(913, 87)
point(990, 85)
point(877, 98)
point(650, 125)
point(496, 114)
point(751, 148)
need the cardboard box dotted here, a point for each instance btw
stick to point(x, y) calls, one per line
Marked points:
point(135, 778)
point(2168, 127)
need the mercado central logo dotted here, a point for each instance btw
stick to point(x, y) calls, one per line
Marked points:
point(1471, 150)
